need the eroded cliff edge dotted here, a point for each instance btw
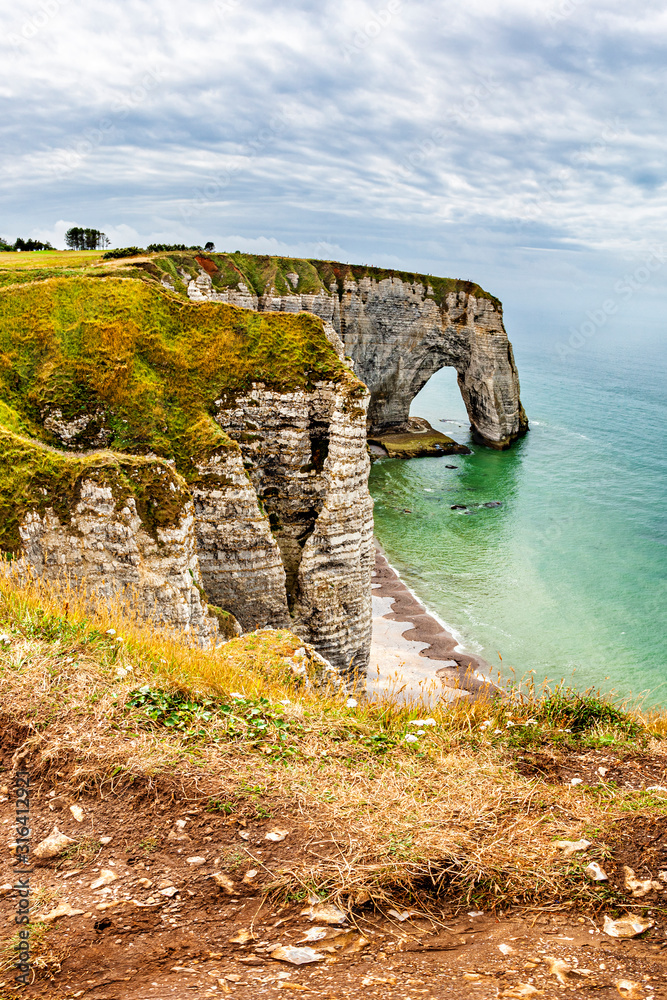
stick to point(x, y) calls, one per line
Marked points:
point(398, 328)
point(209, 462)
point(187, 428)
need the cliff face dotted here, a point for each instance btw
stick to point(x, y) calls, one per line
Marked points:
point(208, 462)
point(307, 461)
point(399, 330)
point(186, 428)
point(107, 547)
point(399, 337)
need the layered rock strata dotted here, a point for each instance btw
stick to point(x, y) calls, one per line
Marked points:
point(105, 545)
point(305, 453)
point(398, 336)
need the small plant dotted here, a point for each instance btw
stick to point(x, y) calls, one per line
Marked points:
point(254, 720)
point(122, 252)
point(171, 709)
point(218, 806)
point(83, 851)
point(233, 859)
point(401, 847)
point(150, 844)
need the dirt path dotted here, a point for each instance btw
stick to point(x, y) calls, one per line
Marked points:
point(162, 925)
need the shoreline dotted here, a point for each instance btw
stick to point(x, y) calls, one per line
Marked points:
point(424, 655)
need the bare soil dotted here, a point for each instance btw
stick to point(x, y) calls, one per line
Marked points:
point(134, 941)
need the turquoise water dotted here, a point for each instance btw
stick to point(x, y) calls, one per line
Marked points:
point(568, 575)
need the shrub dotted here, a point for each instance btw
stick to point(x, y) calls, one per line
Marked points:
point(123, 252)
point(171, 248)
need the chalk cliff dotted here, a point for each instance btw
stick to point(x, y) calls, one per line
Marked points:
point(191, 430)
point(399, 329)
point(209, 463)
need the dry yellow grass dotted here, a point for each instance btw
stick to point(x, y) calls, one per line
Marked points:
point(450, 811)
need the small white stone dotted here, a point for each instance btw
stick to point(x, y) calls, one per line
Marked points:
point(276, 835)
point(53, 845)
point(77, 812)
point(196, 861)
point(106, 877)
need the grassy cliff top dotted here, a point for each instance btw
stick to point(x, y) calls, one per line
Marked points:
point(227, 270)
point(124, 368)
point(144, 366)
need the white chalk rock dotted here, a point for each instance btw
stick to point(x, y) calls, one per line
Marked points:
point(325, 913)
point(296, 956)
point(106, 877)
point(595, 873)
point(53, 845)
point(629, 926)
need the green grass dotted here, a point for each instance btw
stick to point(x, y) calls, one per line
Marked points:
point(144, 370)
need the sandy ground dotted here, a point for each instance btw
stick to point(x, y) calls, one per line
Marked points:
point(161, 925)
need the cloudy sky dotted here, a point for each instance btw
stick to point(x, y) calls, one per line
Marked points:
point(521, 143)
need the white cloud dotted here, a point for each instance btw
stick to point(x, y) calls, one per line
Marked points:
point(395, 129)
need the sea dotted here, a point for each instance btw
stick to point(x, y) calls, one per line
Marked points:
point(566, 579)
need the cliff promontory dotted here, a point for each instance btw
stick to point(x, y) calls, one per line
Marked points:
point(208, 461)
point(398, 328)
point(190, 429)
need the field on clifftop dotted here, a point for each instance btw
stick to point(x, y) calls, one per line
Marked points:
point(236, 795)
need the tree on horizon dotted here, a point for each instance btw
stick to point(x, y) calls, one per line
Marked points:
point(78, 238)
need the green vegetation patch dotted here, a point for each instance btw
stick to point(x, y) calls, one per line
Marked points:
point(34, 477)
point(292, 275)
point(240, 718)
point(140, 369)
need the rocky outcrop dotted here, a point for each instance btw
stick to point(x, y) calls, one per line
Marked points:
point(105, 545)
point(399, 337)
point(400, 332)
point(234, 482)
point(305, 454)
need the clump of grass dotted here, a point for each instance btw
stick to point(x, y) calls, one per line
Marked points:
point(82, 852)
point(43, 955)
point(150, 844)
point(583, 712)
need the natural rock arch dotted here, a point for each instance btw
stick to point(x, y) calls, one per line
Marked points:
point(399, 336)
point(399, 329)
